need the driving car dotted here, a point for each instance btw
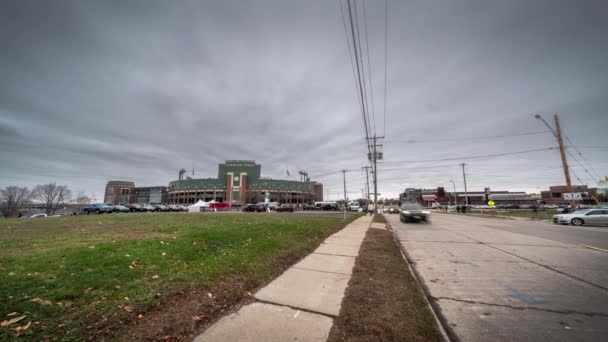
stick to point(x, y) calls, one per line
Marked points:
point(413, 213)
point(285, 208)
point(120, 209)
point(393, 209)
point(582, 217)
point(97, 208)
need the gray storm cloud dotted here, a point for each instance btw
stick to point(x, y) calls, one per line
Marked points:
point(136, 90)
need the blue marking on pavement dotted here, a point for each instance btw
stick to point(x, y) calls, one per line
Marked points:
point(522, 297)
point(464, 262)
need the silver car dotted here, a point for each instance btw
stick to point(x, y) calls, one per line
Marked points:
point(414, 213)
point(581, 217)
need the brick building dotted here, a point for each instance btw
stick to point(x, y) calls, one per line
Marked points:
point(118, 192)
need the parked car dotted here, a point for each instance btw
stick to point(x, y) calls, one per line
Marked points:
point(148, 207)
point(160, 207)
point(135, 207)
point(285, 208)
point(582, 217)
point(413, 213)
point(329, 206)
point(120, 209)
point(173, 207)
point(309, 207)
point(254, 208)
point(34, 216)
point(97, 208)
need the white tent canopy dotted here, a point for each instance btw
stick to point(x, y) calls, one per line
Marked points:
point(196, 207)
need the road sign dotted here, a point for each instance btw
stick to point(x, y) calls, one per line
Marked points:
point(491, 203)
point(573, 196)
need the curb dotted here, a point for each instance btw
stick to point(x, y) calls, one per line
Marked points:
point(439, 319)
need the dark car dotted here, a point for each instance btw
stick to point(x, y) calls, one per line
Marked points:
point(135, 208)
point(309, 207)
point(253, 208)
point(97, 208)
point(120, 209)
point(329, 206)
point(160, 207)
point(414, 213)
point(285, 208)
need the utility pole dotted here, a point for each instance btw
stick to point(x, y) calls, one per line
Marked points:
point(464, 177)
point(373, 157)
point(367, 183)
point(562, 151)
point(344, 207)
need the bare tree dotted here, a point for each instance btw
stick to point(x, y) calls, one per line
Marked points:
point(53, 196)
point(13, 199)
point(82, 199)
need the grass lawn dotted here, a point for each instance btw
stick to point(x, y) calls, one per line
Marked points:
point(75, 277)
point(379, 218)
point(383, 301)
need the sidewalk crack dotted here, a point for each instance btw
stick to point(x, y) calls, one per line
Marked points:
point(563, 312)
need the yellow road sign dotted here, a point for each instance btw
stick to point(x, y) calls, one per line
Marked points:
point(491, 203)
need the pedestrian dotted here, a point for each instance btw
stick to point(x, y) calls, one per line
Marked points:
point(458, 209)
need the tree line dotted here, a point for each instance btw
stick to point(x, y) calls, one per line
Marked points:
point(13, 199)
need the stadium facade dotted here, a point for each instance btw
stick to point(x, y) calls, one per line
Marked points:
point(237, 181)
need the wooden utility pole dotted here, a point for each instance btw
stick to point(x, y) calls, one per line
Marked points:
point(562, 152)
point(366, 168)
point(464, 177)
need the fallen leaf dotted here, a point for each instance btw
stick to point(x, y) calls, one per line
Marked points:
point(209, 295)
point(41, 301)
point(197, 318)
point(164, 254)
point(127, 308)
point(24, 327)
point(126, 298)
point(140, 316)
point(91, 247)
point(12, 314)
point(11, 321)
point(88, 289)
point(162, 242)
point(155, 276)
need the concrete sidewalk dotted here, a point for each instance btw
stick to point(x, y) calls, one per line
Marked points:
point(300, 304)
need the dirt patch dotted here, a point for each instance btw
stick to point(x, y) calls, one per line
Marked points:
point(382, 301)
point(379, 218)
point(185, 315)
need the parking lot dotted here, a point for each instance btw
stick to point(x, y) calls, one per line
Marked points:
point(499, 279)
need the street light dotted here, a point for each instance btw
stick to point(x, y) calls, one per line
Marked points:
point(455, 195)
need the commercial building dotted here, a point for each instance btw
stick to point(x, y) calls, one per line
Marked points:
point(429, 196)
point(237, 181)
point(118, 192)
point(555, 194)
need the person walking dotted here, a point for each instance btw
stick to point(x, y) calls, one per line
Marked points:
point(458, 209)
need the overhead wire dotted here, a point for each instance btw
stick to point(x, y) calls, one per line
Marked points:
point(369, 70)
point(595, 176)
point(472, 157)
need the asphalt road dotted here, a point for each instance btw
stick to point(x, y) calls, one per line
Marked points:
point(511, 280)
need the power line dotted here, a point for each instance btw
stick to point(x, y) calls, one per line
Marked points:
point(413, 141)
point(473, 157)
point(583, 158)
point(369, 68)
point(385, 63)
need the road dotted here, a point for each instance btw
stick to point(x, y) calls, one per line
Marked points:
point(511, 280)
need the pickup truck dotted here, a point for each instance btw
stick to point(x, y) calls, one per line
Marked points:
point(97, 208)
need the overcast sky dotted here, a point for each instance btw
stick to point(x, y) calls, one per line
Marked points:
point(135, 90)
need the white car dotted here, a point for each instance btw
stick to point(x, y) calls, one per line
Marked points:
point(581, 217)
